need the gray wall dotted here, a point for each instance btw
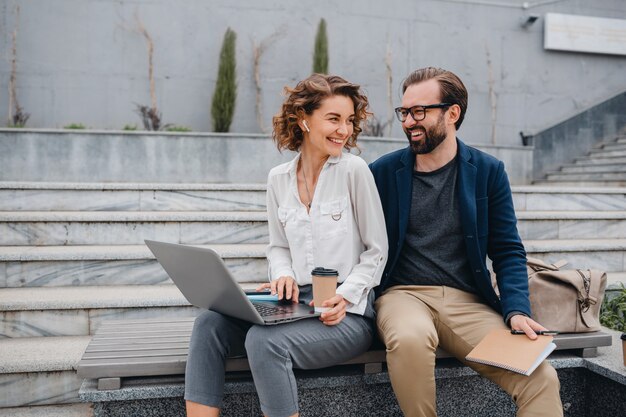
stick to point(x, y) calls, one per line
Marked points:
point(563, 143)
point(78, 60)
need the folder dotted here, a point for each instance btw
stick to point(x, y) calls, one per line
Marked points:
point(515, 353)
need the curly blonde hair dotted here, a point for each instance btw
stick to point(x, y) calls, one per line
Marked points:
point(307, 97)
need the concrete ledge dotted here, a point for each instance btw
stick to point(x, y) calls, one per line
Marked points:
point(586, 384)
point(110, 156)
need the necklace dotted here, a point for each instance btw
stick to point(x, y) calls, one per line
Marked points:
point(306, 185)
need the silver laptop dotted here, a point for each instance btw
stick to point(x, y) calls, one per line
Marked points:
point(201, 275)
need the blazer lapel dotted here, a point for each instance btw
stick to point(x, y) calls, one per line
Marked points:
point(403, 184)
point(467, 190)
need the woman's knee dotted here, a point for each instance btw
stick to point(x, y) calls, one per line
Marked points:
point(263, 342)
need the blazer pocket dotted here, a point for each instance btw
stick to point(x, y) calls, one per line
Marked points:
point(482, 216)
point(333, 219)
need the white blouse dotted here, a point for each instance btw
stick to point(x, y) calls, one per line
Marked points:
point(344, 230)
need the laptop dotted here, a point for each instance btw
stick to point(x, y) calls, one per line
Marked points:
point(201, 275)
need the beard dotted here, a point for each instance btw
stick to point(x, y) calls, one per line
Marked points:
point(432, 137)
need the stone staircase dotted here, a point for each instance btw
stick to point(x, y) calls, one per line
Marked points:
point(72, 255)
point(605, 165)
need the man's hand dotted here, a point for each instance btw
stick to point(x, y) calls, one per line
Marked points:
point(284, 286)
point(526, 324)
point(337, 313)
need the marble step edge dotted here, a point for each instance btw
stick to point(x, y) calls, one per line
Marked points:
point(262, 187)
point(608, 171)
point(130, 186)
point(244, 216)
point(571, 183)
point(115, 252)
point(132, 216)
point(41, 354)
point(253, 250)
point(604, 167)
point(95, 297)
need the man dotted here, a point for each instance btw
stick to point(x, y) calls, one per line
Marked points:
point(447, 206)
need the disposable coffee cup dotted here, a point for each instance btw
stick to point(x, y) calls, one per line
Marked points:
point(324, 287)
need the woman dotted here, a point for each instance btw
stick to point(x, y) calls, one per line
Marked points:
point(323, 210)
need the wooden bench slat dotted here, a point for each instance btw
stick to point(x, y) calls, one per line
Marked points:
point(98, 338)
point(137, 347)
point(138, 342)
point(148, 326)
point(163, 331)
point(148, 321)
point(142, 353)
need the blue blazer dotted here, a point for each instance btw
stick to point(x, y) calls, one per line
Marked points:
point(487, 218)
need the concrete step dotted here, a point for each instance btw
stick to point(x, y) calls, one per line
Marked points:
point(79, 311)
point(129, 228)
point(42, 196)
point(27, 266)
point(130, 196)
point(612, 146)
point(615, 160)
point(39, 266)
point(584, 168)
point(601, 254)
point(619, 177)
point(571, 224)
point(38, 371)
point(576, 198)
point(602, 153)
point(579, 183)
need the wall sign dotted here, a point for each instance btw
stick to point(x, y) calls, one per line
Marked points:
point(563, 32)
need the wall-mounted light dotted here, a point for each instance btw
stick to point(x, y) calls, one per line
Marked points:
point(529, 21)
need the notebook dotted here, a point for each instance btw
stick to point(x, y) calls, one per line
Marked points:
point(515, 353)
point(204, 280)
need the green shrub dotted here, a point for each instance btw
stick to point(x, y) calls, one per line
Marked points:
point(225, 95)
point(130, 127)
point(76, 126)
point(320, 53)
point(175, 128)
point(613, 310)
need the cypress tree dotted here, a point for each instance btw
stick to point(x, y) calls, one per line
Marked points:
point(320, 53)
point(225, 95)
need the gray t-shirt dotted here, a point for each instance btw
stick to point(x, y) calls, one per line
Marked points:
point(434, 250)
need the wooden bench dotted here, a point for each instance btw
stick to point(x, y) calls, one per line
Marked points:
point(157, 347)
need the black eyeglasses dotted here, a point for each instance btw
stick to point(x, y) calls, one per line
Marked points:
point(418, 112)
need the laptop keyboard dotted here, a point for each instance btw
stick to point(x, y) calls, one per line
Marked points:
point(269, 310)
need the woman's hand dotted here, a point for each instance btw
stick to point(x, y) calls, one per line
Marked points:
point(337, 313)
point(284, 286)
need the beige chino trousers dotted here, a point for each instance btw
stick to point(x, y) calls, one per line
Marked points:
point(413, 320)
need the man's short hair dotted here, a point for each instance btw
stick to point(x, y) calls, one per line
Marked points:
point(451, 87)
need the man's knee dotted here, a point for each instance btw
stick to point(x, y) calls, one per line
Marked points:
point(409, 339)
point(545, 376)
